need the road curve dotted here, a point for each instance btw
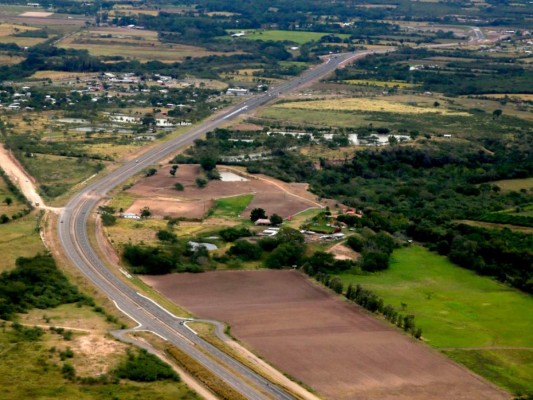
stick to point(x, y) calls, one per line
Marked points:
point(73, 236)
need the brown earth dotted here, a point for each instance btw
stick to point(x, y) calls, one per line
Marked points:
point(335, 347)
point(270, 194)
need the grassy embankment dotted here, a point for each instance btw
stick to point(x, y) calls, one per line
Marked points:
point(474, 320)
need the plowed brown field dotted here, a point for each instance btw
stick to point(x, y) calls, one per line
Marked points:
point(270, 194)
point(333, 346)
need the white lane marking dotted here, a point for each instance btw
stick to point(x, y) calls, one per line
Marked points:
point(124, 312)
point(154, 332)
point(125, 273)
point(158, 305)
point(189, 328)
point(235, 112)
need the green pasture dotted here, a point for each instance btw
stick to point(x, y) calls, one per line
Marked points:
point(298, 37)
point(455, 307)
point(230, 207)
point(474, 319)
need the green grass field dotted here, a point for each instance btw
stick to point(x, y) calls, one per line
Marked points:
point(458, 310)
point(515, 184)
point(15, 206)
point(58, 173)
point(278, 35)
point(19, 239)
point(230, 207)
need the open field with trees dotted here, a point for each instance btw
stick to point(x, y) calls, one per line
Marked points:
point(463, 314)
point(330, 345)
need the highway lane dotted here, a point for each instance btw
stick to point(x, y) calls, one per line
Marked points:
point(74, 238)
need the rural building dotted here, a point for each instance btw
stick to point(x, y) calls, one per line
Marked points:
point(262, 221)
point(208, 246)
point(237, 92)
point(130, 216)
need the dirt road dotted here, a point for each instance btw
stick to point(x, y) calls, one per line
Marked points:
point(22, 179)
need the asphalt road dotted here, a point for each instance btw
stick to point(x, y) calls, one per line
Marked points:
point(150, 316)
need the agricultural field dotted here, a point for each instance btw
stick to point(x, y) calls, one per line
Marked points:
point(298, 37)
point(334, 347)
point(142, 45)
point(9, 32)
point(473, 319)
point(368, 105)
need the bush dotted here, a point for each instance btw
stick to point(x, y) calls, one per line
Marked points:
point(232, 234)
point(179, 187)
point(201, 182)
point(166, 236)
point(246, 251)
point(145, 367)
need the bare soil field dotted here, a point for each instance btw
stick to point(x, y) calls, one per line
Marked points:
point(333, 346)
point(274, 196)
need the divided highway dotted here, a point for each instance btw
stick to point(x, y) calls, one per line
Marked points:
point(73, 236)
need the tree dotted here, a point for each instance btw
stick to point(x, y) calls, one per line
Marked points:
point(151, 172)
point(8, 201)
point(275, 219)
point(497, 113)
point(173, 170)
point(374, 261)
point(201, 182)
point(4, 219)
point(145, 212)
point(246, 251)
point(208, 162)
point(179, 187)
point(257, 213)
point(108, 219)
point(166, 236)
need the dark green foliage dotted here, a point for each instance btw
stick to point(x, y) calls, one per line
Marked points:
point(374, 261)
point(506, 218)
point(23, 333)
point(179, 187)
point(149, 260)
point(151, 172)
point(145, 367)
point(108, 219)
point(208, 162)
point(286, 255)
point(275, 219)
point(257, 213)
point(321, 262)
point(246, 251)
point(166, 236)
point(201, 182)
point(68, 371)
point(232, 234)
point(35, 283)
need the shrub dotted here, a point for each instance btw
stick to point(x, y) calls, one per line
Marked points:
point(145, 367)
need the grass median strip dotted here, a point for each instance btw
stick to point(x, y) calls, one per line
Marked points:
point(214, 383)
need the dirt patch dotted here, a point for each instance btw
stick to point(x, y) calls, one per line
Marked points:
point(172, 207)
point(246, 127)
point(270, 194)
point(333, 346)
point(342, 252)
point(37, 14)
